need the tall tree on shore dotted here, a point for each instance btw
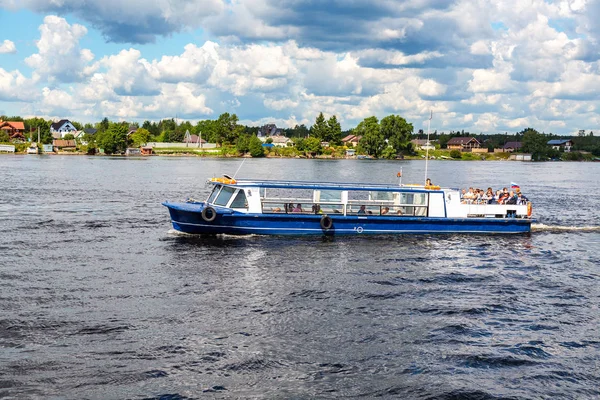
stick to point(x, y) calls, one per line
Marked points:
point(397, 132)
point(227, 129)
point(334, 131)
point(372, 141)
point(320, 128)
point(114, 139)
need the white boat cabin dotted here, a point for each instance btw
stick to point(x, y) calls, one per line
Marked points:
point(284, 197)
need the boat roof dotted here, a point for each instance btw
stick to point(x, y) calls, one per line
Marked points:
point(281, 184)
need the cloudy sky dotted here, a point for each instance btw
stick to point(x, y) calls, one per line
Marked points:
point(483, 66)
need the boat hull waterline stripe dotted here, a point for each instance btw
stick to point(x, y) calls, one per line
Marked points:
point(364, 230)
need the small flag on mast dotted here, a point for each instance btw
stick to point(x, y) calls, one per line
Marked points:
point(514, 186)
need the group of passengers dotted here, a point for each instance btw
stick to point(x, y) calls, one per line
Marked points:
point(478, 196)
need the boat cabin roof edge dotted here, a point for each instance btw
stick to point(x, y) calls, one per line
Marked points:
point(330, 186)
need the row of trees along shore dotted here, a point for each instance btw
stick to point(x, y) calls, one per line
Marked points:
point(385, 138)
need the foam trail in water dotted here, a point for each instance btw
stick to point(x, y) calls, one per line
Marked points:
point(178, 233)
point(563, 228)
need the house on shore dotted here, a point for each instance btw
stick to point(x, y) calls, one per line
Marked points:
point(269, 130)
point(278, 140)
point(510, 147)
point(422, 144)
point(463, 144)
point(61, 128)
point(193, 139)
point(14, 129)
point(62, 145)
point(561, 144)
point(351, 140)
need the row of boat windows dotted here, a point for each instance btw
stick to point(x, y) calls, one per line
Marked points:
point(221, 195)
point(273, 207)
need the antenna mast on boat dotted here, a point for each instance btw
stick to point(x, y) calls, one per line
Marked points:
point(240, 167)
point(427, 144)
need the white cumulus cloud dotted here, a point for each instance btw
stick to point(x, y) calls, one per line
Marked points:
point(59, 57)
point(7, 47)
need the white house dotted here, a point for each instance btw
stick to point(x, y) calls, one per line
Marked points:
point(61, 128)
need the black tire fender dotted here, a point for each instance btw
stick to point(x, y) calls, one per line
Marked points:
point(326, 222)
point(209, 214)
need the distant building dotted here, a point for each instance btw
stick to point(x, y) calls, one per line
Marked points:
point(47, 148)
point(463, 143)
point(422, 144)
point(564, 144)
point(14, 129)
point(510, 147)
point(520, 157)
point(269, 130)
point(133, 151)
point(278, 141)
point(351, 140)
point(61, 144)
point(193, 139)
point(61, 128)
point(7, 148)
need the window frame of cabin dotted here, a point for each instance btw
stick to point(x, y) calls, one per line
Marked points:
point(213, 195)
point(223, 195)
point(234, 198)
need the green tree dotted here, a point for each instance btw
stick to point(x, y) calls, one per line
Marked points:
point(4, 138)
point(255, 147)
point(208, 130)
point(300, 131)
point(455, 153)
point(33, 124)
point(114, 139)
point(535, 143)
point(312, 145)
point(397, 132)
point(140, 137)
point(334, 131)
point(227, 129)
point(243, 143)
point(320, 128)
point(69, 136)
point(372, 141)
point(151, 127)
point(103, 126)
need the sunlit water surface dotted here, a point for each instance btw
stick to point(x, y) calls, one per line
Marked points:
point(100, 298)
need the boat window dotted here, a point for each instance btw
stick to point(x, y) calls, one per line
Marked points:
point(214, 193)
point(331, 195)
point(240, 200)
point(382, 196)
point(224, 196)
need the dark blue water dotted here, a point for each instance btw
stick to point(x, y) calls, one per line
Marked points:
point(100, 299)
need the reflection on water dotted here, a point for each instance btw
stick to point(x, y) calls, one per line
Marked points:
point(101, 299)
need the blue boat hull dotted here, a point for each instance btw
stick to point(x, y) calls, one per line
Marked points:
point(187, 217)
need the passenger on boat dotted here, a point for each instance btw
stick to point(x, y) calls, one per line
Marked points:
point(428, 182)
point(488, 197)
point(521, 200)
point(316, 209)
point(298, 208)
point(503, 197)
point(385, 210)
point(470, 196)
point(362, 210)
point(512, 198)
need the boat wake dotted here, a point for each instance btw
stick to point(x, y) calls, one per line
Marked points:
point(563, 228)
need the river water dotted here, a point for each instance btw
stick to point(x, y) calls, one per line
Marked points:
point(101, 299)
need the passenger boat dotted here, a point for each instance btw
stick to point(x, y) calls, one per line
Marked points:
point(271, 207)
